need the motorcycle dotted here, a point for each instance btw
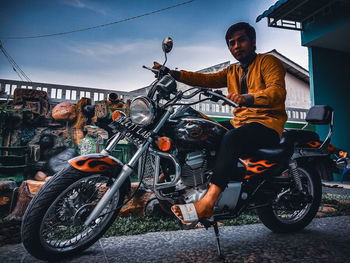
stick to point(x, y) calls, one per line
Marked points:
point(175, 158)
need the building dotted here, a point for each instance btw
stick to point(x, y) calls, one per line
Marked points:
point(297, 84)
point(325, 31)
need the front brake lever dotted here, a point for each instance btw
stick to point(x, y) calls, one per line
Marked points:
point(218, 95)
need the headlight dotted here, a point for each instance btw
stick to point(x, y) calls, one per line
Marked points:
point(141, 111)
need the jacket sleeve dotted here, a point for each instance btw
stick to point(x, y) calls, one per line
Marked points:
point(205, 80)
point(273, 74)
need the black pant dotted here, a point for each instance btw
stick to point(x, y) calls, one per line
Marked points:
point(237, 142)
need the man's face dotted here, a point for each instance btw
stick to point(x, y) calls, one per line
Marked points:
point(241, 46)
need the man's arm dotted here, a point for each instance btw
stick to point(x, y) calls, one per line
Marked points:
point(273, 75)
point(205, 80)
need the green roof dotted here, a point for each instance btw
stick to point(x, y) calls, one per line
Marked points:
point(271, 9)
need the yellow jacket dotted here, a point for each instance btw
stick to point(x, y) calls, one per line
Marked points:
point(265, 81)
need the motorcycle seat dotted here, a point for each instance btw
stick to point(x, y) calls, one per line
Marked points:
point(285, 149)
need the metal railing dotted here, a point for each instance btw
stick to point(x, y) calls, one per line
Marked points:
point(213, 109)
point(58, 93)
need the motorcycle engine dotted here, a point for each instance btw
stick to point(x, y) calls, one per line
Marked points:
point(195, 171)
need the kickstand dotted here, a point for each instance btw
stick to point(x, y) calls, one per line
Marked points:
point(217, 235)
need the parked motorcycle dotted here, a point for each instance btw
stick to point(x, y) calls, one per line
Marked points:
point(176, 154)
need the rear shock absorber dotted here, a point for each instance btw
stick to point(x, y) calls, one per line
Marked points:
point(293, 170)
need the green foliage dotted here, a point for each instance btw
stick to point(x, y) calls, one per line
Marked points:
point(7, 112)
point(341, 204)
point(244, 219)
point(135, 225)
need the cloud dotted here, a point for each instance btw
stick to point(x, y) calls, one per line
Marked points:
point(102, 50)
point(83, 4)
point(199, 56)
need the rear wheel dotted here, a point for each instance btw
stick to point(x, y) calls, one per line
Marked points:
point(53, 225)
point(292, 211)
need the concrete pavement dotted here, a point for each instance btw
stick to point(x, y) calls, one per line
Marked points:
point(324, 240)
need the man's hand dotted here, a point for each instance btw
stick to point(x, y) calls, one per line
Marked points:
point(236, 98)
point(156, 65)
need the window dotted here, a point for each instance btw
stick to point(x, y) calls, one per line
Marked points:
point(102, 96)
point(87, 94)
point(53, 93)
point(67, 94)
point(13, 87)
point(95, 96)
point(59, 94)
point(7, 88)
point(74, 95)
point(82, 95)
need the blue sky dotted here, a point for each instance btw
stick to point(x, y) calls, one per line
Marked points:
point(112, 57)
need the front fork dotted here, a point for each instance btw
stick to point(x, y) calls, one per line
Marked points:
point(126, 170)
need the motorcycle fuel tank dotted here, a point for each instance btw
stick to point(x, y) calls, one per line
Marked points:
point(193, 130)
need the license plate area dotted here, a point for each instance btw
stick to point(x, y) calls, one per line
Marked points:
point(130, 130)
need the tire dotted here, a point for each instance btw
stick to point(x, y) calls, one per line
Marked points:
point(59, 209)
point(269, 215)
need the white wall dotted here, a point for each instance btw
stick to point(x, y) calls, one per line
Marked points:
point(298, 93)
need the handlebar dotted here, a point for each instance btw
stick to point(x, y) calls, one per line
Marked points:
point(209, 93)
point(213, 95)
point(155, 71)
point(219, 95)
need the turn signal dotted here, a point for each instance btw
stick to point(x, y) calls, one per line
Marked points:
point(116, 114)
point(164, 144)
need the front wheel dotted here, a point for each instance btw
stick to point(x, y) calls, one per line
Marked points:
point(292, 211)
point(53, 224)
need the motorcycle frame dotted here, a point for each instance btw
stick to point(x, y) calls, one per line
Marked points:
point(127, 169)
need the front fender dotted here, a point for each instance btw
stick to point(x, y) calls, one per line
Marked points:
point(97, 163)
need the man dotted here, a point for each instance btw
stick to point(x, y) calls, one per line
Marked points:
point(257, 85)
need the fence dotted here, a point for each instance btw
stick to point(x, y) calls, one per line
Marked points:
point(214, 109)
point(59, 93)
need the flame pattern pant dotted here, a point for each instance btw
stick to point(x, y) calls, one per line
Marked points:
point(240, 142)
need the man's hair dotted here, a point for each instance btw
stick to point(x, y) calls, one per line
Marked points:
point(249, 30)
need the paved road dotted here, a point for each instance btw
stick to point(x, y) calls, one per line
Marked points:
point(324, 240)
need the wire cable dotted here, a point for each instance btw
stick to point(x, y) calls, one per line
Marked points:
point(13, 64)
point(103, 25)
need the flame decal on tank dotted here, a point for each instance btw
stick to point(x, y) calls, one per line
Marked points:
point(255, 167)
point(93, 163)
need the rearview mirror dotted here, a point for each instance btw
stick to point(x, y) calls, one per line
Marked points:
point(167, 44)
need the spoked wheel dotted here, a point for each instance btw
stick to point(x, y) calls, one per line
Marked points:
point(293, 210)
point(53, 225)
